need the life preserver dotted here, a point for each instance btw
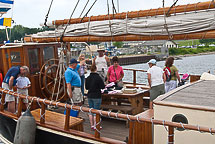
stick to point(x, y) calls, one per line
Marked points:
point(1, 79)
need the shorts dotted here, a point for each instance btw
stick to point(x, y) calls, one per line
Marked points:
point(8, 97)
point(94, 103)
point(77, 96)
point(24, 92)
point(170, 85)
point(155, 91)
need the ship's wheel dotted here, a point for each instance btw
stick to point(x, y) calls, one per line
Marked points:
point(52, 81)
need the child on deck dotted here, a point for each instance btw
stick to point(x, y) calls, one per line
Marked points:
point(23, 83)
point(94, 84)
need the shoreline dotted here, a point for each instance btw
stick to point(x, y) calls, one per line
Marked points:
point(189, 55)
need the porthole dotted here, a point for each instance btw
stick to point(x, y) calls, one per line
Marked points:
point(180, 118)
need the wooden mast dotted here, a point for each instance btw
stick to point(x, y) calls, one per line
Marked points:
point(141, 13)
point(197, 35)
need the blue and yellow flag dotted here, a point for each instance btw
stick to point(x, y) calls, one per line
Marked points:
point(5, 22)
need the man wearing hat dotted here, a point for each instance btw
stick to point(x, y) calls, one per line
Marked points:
point(156, 79)
point(73, 82)
point(102, 63)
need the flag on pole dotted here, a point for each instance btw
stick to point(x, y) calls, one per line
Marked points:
point(5, 5)
point(7, 1)
point(5, 22)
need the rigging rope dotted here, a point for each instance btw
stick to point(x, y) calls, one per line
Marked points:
point(118, 5)
point(84, 8)
point(165, 24)
point(88, 11)
point(61, 38)
point(47, 15)
point(167, 14)
point(113, 8)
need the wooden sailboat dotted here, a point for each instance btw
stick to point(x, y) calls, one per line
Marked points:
point(69, 129)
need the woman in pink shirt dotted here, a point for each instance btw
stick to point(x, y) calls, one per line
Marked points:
point(115, 72)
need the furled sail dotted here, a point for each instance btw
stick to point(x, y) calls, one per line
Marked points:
point(198, 24)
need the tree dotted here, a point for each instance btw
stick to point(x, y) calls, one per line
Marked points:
point(207, 41)
point(118, 44)
point(18, 32)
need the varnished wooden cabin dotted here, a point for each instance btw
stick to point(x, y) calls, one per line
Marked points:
point(33, 55)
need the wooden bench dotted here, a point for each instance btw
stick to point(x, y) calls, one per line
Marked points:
point(122, 108)
point(58, 120)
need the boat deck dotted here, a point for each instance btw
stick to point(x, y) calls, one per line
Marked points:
point(199, 94)
point(111, 128)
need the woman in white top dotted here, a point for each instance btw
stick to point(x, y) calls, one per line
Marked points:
point(156, 79)
point(102, 63)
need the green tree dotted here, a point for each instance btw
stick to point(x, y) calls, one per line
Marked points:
point(207, 41)
point(118, 44)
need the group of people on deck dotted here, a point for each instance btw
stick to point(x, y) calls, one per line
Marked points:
point(159, 81)
point(102, 73)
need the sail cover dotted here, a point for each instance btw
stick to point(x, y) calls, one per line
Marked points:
point(181, 23)
point(5, 5)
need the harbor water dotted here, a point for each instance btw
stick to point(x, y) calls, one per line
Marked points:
point(195, 65)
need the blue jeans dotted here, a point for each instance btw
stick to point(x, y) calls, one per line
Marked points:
point(82, 84)
point(94, 103)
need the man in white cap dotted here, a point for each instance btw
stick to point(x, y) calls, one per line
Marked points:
point(156, 79)
point(102, 63)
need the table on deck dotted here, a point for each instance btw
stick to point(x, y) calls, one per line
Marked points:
point(135, 100)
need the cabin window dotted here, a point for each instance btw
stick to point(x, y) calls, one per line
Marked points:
point(48, 53)
point(15, 57)
point(180, 119)
point(33, 61)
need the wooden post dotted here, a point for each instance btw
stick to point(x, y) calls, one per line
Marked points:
point(66, 127)
point(20, 103)
point(97, 134)
point(171, 135)
point(2, 102)
point(134, 77)
point(42, 116)
point(131, 131)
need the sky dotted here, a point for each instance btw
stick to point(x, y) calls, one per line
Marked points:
point(30, 13)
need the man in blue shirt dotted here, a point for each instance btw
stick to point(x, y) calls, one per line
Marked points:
point(10, 81)
point(73, 82)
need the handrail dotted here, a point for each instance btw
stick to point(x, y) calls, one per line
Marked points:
point(134, 74)
point(192, 77)
point(105, 113)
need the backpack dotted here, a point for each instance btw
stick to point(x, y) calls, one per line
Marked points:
point(167, 72)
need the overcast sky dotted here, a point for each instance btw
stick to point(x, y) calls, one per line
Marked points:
point(31, 13)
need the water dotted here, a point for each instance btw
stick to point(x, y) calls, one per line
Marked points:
point(192, 65)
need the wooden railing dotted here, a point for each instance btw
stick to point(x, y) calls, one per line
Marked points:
point(43, 102)
point(192, 78)
point(134, 74)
